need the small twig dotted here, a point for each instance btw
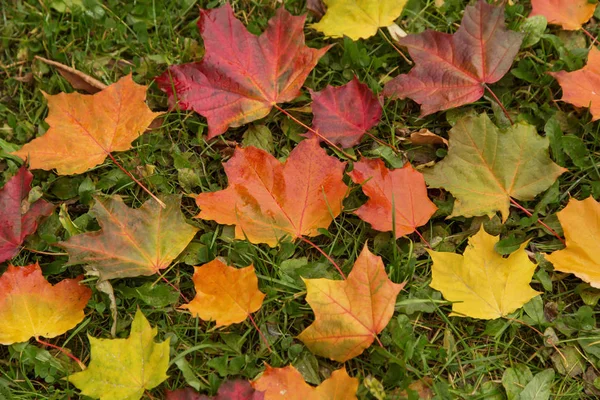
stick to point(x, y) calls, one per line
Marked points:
point(395, 48)
point(262, 336)
point(540, 333)
point(331, 260)
point(381, 142)
point(47, 253)
point(504, 110)
point(302, 124)
point(64, 351)
point(140, 184)
point(529, 214)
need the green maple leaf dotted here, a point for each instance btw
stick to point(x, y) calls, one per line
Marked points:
point(485, 167)
point(132, 242)
point(122, 369)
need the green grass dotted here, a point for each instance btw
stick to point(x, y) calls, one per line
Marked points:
point(465, 358)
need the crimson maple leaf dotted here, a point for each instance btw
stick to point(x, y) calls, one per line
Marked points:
point(18, 218)
point(242, 76)
point(452, 70)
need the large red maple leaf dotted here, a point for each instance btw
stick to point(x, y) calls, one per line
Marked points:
point(242, 76)
point(18, 217)
point(452, 70)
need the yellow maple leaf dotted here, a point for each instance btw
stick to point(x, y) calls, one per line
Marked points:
point(481, 283)
point(85, 129)
point(358, 18)
point(225, 294)
point(122, 369)
point(581, 223)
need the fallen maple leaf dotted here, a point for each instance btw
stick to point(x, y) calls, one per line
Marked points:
point(570, 14)
point(452, 70)
point(344, 114)
point(31, 307)
point(225, 294)
point(358, 18)
point(481, 283)
point(122, 369)
point(229, 390)
point(131, 242)
point(85, 129)
point(242, 76)
point(398, 196)
point(580, 221)
point(18, 217)
point(350, 313)
point(582, 87)
point(287, 384)
point(268, 200)
point(485, 167)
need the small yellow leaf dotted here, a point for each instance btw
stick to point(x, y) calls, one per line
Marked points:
point(358, 18)
point(581, 223)
point(481, 282)
point(225, 294)
point(122, 369)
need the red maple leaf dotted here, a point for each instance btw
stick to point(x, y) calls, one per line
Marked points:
point(452, 70)
point(18, 218)
point(242, 76)
point(344, 114)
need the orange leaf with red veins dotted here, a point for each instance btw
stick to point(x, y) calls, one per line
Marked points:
point(225, 294)
point(287, 384)
point(32, 307)
point(570, 14)
point(85, 129)
point(18, 217)
point(344, 114)
point(349, 314)
point(268, 200)
point(452, 70)
point(398, 195)
point(582, 87)
point(242, 76)
point(132, 242)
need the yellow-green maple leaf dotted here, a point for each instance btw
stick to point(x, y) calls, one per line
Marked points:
point(485, 166)
point(358, 18)
point(122, 369)
point(481, 282)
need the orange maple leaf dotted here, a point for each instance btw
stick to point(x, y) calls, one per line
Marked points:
point(582, 87)
point(398, 196)
point(287, 384)
point(85, 129)
point(570, 14)
point(225, 294)
point(268, 200)
point(32, 307)
point(350, 313)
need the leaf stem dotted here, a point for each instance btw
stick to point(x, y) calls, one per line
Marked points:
point(423, 239)
point(176, 288)
point(592, 37)
point(64, 351)
point(504, 110)
point(262, 335)
point(140, 184)
point(324, 254)
point(395, 48)
point(302, 124)
point(529, 214)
